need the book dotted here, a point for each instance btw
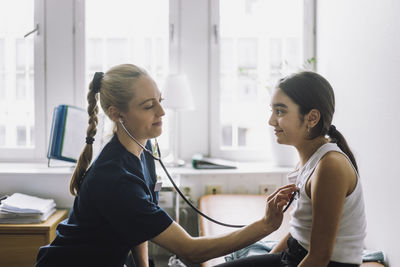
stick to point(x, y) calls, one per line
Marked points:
point(201, 162)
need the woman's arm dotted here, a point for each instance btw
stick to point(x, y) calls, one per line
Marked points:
point(199, 249)
point(332, 180)
point(140, 255)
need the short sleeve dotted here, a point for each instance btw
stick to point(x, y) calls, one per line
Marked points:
point(131, 211)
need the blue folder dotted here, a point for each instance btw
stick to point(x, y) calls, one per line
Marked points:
point(62, 130)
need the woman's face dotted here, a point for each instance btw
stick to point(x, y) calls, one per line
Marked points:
point(286, 120)
point(144, 116)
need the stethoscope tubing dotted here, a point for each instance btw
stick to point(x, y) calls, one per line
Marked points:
point(172, 181)
point(191, 205)
point(177, 188)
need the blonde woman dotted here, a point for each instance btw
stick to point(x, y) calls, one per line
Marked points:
point(116, 206)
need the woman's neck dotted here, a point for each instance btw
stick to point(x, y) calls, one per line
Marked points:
point(308, 148)
point(128, 143)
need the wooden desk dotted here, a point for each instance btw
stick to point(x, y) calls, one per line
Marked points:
point(19, 243)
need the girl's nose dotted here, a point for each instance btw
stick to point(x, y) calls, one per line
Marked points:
point(272, 120)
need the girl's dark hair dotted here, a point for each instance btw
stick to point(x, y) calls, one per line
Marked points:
point(310, 90)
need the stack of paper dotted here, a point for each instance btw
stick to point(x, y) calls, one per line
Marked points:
point(21, 208)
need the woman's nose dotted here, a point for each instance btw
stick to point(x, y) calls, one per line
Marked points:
point(160, 111)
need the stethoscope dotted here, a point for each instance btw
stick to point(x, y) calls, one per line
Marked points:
point(158, 158)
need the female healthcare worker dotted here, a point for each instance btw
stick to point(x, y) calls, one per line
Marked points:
point(328, 220)
point(115, 208)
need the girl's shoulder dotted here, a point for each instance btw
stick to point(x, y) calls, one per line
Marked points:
point(335, 161)
point(335, 169)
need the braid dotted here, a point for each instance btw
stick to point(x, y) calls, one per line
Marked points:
point(114, 88)
point(86, 155)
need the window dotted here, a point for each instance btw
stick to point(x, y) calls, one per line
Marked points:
point(28, 95)
point(20, 130)
point(134, 32)
point(255, 43)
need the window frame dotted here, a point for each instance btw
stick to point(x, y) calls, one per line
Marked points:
point(244, 154)
point(38, 152)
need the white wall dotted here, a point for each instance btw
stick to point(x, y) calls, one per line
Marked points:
point(358, 45)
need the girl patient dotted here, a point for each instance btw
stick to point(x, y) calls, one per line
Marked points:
point(328, 220)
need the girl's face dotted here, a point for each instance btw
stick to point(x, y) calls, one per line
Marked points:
point(286, 119)
point(144, 117)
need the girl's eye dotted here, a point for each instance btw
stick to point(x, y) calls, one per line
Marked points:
point(149, 107)
point(161, 99)
point(279, 112)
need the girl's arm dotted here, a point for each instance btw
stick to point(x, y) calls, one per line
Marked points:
point(200, 249)
point(282, 245)
point(333, 179)
point(140, 255)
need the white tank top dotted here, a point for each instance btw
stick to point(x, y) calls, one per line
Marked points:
point(351, 233)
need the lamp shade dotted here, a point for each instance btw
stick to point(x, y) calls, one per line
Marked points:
point(177, 93)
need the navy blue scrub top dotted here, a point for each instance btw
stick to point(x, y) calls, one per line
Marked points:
point(116, 209)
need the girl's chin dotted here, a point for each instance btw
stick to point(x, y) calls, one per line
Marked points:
point(280, 141)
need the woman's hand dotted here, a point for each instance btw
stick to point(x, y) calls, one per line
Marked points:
point(275, 204)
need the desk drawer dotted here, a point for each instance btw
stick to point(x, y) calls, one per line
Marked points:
point(20, 250)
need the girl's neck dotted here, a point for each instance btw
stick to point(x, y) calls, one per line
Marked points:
point(308, 148)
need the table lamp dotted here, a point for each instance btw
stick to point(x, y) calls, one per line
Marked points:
point(178, 97)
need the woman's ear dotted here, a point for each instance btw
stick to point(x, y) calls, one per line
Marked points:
point(313, 118)
point(114, 113)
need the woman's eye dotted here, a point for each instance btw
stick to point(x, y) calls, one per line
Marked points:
point(279, 112)
point(153, 104)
